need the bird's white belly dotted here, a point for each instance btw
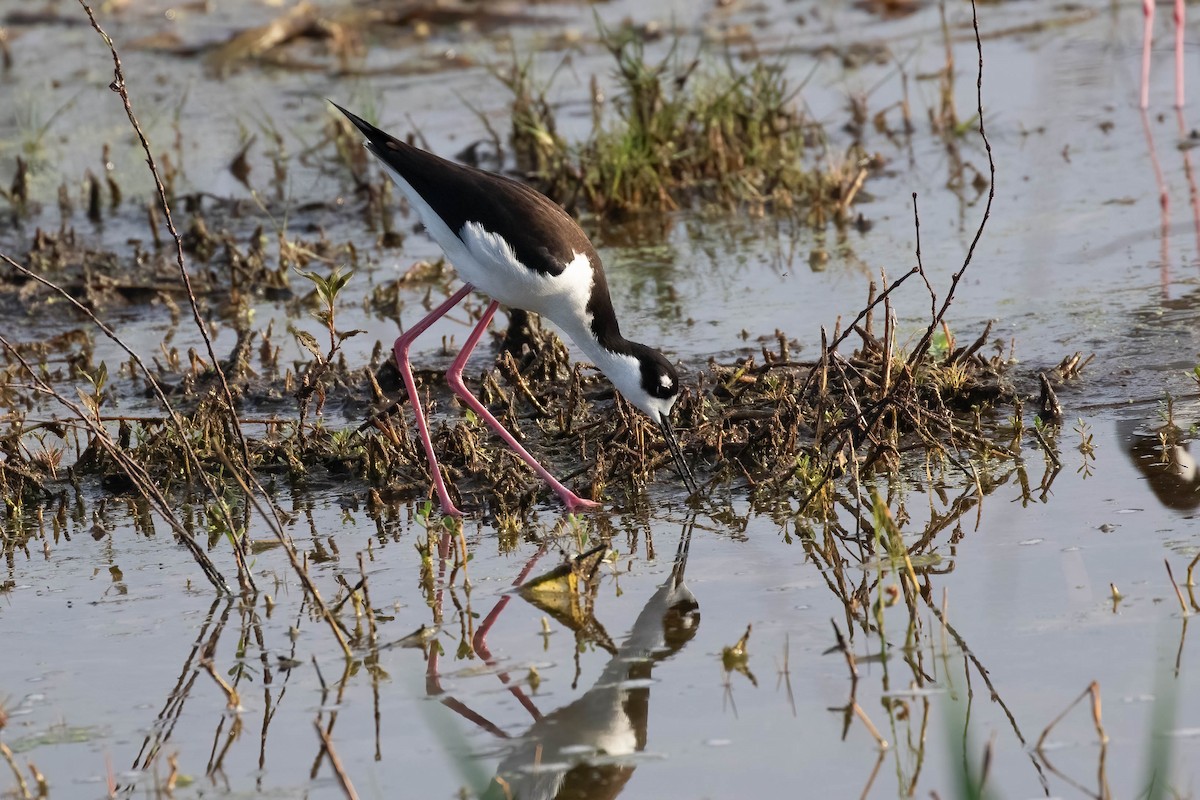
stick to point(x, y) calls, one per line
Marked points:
point(484, 260)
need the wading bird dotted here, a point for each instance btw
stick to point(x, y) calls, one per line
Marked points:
point(515, 245)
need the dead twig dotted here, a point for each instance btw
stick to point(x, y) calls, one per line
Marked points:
point(940, 314)
point(22, 787)
point(118, 85)
point(1183, 606)
point(335, 762)
point(1094, 690)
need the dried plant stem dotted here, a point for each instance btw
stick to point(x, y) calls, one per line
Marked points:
point(22, 787)
point(862, 715)
point(874, 774)
point(936, 321)
point(1094, 690)
point(231, 696)
point(1183, 606)
point(844, 646)
point(1047, 449)
point(1191, 581)
point(335, 762)
point(362, 569)
point(118, 86)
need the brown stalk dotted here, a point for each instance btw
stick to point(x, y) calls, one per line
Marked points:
point(862, 715)
point(367, 599)
point(1183, 606)
point(1191, 581)
point(1093, 689)
point(987, 211)
point(231, 696)
point(336, 763)
point(22, 787)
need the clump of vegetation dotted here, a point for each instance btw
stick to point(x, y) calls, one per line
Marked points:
point(785, 428)
point(681, 131)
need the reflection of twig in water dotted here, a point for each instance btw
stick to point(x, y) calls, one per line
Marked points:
point(168, 716)
point(969, 656)
point(1191, 581)
point(1093, 689)
point(1103, 792)
point(333, 715)
point(1182, 639)
point(1051, 456)
point(250, 622)
point(784, 677)
point(335, 762)
point(1183, 607)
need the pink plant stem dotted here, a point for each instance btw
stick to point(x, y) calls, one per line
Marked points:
point(1147, 39)
point(1180, 17)
point(454, 377)
point(402, 362)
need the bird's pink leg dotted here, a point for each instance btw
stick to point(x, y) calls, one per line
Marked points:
point(1147, 39)
point(454, 377)
point(1180, 17)
point(401, 350)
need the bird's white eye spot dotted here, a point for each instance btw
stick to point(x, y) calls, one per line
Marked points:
point(666, 382)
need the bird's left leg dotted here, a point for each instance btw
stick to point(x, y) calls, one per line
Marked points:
point(454, 377)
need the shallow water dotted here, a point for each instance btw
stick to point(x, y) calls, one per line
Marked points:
point(102, 632)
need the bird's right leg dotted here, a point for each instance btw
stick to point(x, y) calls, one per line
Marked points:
point(454, 377)
point(402, 362)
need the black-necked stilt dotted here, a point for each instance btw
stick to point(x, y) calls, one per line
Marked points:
point(515, 245)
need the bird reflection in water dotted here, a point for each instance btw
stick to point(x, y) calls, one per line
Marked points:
point(1169, 467)
point(588, 748)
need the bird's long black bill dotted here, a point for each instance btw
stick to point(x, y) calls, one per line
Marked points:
point(376, 139)
point(685, 471)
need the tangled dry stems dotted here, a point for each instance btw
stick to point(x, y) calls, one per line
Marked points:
point(785, 429)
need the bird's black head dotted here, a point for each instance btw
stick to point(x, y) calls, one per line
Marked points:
point(659, 378)
point(659, 389)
